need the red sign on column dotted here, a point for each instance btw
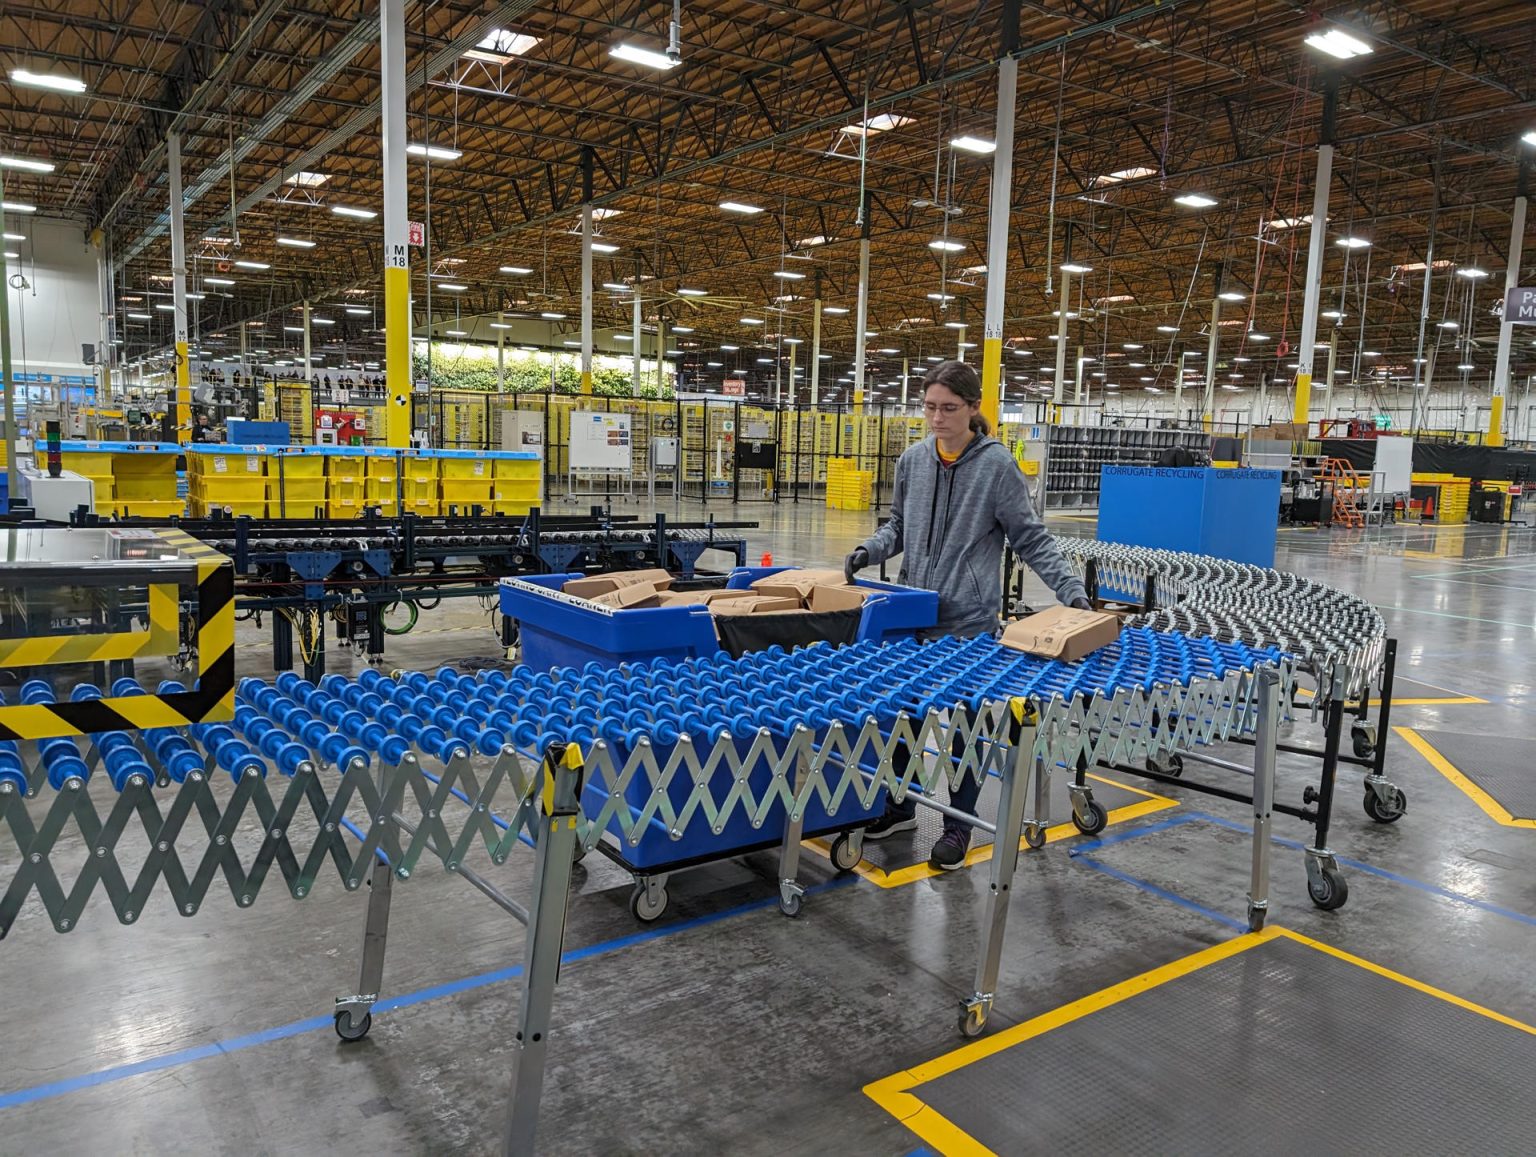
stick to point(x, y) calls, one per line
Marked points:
point(416, 233)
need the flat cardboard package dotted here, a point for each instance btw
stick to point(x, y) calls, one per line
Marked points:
point(634, 597)
point(797, 584)
point(1062, 633)
point(838, 598)
point(602, 584)
point(683, 598)
point(758, 605)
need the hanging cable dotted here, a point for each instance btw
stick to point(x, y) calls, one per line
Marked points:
point(1050, 216)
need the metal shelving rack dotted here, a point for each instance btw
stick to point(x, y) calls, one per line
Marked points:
point(1074, 455)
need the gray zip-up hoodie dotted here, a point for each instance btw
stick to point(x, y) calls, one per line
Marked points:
point(948, 524)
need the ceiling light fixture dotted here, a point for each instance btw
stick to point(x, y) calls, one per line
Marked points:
point(615, 286)
point(1230, 295)
point(17, 207)
point(751, 321)
point(1075, 267)
point(516, 270)
point(295, 243)
point(257, 265)
point(741, 207)
point(970, 144)
point(351, 211)
point(51, 81)
point(787, 275)
point(1339, 44)
point(604, 247)
point(834, 309)
point(945, 246)
point(359, 311)
point(433, 152)
point(1352, 243)
point(26, 164)
point(1472, 272)
point(693, 292)
point(1195, 200)
point(452, 286)
point(548, 315)
point(217, 281)
point(634, 54)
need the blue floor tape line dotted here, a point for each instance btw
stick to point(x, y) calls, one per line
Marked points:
point(405, 1000)
point(1163, 893)
point(1083, 851)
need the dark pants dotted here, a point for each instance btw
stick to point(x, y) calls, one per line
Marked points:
point(962, 798)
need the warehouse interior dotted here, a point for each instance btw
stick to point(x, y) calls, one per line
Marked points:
point(505, 504)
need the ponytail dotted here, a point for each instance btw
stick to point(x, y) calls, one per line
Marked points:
point(980, 425)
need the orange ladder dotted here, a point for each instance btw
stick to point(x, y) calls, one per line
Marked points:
point(1346, 486)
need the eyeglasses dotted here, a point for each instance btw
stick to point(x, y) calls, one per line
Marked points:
point(948, 409)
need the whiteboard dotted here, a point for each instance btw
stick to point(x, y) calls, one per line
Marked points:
point(1394, 458)
point(600, 442)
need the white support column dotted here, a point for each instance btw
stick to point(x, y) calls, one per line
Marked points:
point(106, 331)
point(999, 214)
point(661, 354)
point(793, 393)
point(501, 354)
point(635, 338)
point(1208, 404)
point(960, 344)
point(1178, 388)
point(906, 374)
point(861, 325)
point(816, 344)
point(1506, 330)
point(1333, 365)
point(309, 376)
point(397, 262)
point(1077, 388)
point(1061, 345)
point(1316, 252)
point(183, 388)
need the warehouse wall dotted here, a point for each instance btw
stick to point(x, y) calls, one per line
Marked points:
point(59, 309)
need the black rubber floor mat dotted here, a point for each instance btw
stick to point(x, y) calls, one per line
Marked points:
point(908, 848)
point(1279, 1049)
point(1498, 764)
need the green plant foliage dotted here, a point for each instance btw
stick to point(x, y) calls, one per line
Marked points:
point(474, 368)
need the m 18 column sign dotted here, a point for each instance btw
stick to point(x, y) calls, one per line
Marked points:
point(1520, 306)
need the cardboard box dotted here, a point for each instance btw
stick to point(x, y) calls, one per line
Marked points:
point(684, 598)
point(1062, 633)
point(797, 584)
point(602, 584)
point(838, 598)
point(633, 597)
point(725, 595)
point(756, 605)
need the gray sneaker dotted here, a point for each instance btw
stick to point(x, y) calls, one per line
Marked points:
point(949, 852)
point(890, 824)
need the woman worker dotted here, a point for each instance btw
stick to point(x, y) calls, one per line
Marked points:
point(958, 492)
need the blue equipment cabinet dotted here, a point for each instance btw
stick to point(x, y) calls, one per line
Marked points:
point(1231, 514)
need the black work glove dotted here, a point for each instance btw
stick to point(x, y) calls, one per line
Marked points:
point(855, 562)
point(1081, 605)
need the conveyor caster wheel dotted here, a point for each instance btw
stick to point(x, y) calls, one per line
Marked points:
point(1386, 811)
point(350, 1032)
point(1329, 889)
point(578, 852)
point(845, 856)
point(790, 905)
point(1256, 918)
point(1097, 821)
point(643, 909)
point(1166, 765)
point(1362, 736)
point(1034, 835)
point(972, 1021)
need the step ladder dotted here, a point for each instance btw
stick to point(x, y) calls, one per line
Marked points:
point(1346, 490)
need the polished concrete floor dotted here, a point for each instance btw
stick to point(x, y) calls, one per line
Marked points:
point(727, 1028)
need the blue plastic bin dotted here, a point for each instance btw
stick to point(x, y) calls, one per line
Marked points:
point(559, 631)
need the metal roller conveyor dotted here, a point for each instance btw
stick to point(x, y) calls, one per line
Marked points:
point(681, 762)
